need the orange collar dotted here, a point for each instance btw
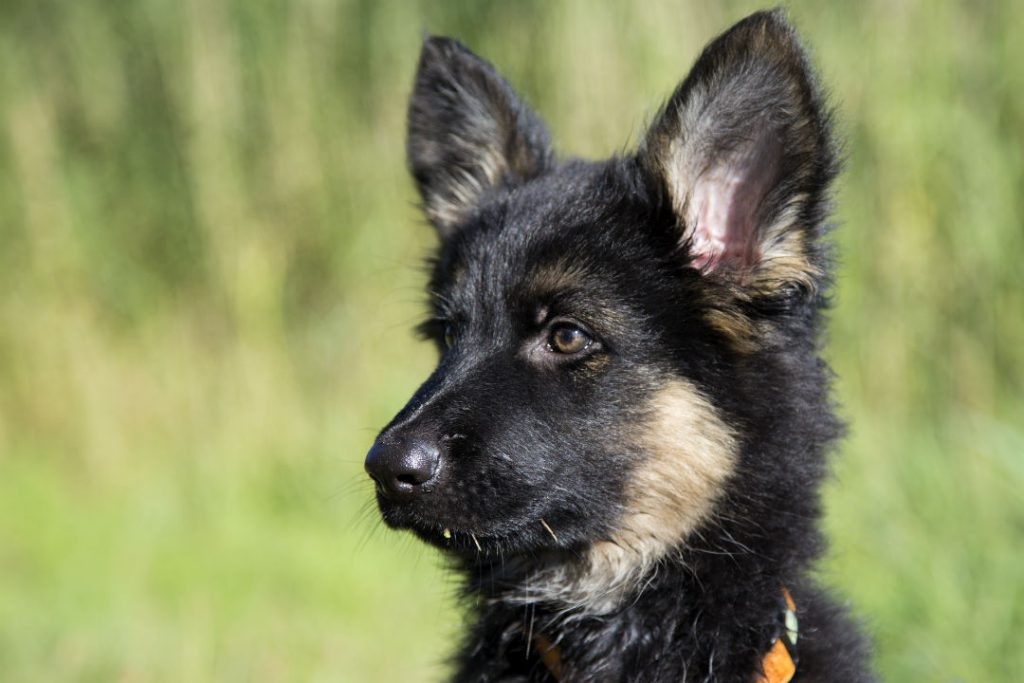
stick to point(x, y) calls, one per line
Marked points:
point(778, 665)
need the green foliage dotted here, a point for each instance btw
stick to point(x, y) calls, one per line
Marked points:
point(209, 258)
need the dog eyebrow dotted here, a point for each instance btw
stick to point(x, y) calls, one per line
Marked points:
point(558, 276)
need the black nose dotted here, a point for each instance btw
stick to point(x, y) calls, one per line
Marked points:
point(401, 466)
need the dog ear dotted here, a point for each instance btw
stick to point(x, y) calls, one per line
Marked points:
point(743, 151)
point(468, 133)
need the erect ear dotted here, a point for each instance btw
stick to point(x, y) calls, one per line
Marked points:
point(468, 133)
point(743, 150)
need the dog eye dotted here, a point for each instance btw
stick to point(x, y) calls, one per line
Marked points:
point(449, 335)
point(567, 338)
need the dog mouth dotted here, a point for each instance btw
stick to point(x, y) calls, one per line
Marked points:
point(472, 540)
point(444, 516)
point(464, 542)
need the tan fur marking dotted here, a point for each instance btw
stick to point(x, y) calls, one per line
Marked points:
point(679, 163)
point(783, 262)
point(558, 277)
point(462, 189)
point(742, 332)
point(784, 254)
point(690, 454)
point(494, 144)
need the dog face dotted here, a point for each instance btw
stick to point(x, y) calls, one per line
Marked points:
point(597, 322)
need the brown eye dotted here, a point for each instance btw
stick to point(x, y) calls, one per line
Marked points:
point(568, 339)
point(449, 335)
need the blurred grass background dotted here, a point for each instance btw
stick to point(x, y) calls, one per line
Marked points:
point(209, 266)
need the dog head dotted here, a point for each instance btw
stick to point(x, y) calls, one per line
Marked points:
point(592, 318)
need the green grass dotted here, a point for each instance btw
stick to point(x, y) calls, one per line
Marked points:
point(209, 264)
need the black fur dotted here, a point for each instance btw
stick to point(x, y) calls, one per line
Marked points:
point(527, 449)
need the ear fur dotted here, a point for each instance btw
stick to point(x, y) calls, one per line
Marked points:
point(743, 150)
point(468, 133)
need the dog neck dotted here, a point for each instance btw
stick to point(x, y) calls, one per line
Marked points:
point(778, 665)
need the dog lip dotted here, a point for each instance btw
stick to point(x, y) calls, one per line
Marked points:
point(458, 540)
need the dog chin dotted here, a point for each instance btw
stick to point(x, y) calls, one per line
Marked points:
point(437, 532)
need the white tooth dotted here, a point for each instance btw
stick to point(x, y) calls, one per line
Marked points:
point(447, 533)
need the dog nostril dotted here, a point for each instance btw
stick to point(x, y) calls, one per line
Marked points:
point(418, 463)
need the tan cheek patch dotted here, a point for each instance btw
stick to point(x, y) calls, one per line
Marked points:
point(690, 454)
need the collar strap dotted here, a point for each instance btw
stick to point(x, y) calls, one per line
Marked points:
point(778, 665)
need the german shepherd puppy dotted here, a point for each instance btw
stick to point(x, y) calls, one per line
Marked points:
point(622, 444)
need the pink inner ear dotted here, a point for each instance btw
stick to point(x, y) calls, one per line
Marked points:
point(725, 205)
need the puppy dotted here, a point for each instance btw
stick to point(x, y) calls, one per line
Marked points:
point(622, 444)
